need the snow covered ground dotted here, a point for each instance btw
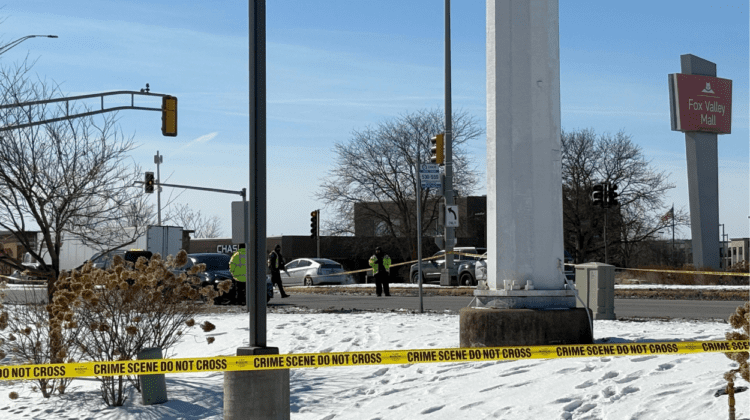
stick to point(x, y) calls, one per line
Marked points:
point(638, 388)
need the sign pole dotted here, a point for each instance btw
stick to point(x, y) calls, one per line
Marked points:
point(419, 229)
point(446, 278)
point(701, 107)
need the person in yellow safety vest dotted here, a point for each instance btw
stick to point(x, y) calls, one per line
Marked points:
point(381, 265)
point(276, 264)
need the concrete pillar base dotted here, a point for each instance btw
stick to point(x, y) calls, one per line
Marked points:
point(262, 394)
point(484, 327)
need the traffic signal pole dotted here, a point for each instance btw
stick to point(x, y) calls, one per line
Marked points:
point(170, 115)
point(449, 232)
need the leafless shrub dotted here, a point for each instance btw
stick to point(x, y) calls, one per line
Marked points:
point(128, 308)
point(739, 320)
point(28, 336)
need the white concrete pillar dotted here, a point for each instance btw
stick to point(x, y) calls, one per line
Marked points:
point(524, 181)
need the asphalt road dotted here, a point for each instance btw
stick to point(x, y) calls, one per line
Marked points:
point(639, 308)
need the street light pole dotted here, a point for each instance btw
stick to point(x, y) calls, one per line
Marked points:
point(7, 47)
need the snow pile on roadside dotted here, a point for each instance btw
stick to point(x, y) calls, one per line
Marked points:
point(611, 388)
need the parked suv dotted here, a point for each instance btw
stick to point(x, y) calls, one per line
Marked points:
point(465, 266)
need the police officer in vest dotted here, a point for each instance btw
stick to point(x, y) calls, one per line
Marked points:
point(381, 265)
point(276, 264)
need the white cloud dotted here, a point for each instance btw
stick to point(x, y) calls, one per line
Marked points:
point(205, 138)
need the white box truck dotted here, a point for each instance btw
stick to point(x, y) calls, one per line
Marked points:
point(164, 240)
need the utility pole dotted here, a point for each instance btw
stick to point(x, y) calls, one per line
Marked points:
point(445, 275)
point(158, 159)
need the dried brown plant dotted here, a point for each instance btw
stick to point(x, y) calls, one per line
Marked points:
point(138, 306)
point(739, 320)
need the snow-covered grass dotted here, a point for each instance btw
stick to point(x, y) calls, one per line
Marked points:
point(639, 388)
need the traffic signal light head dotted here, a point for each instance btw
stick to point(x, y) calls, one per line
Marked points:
point(314, 223)
point(169, 116)
point(612, 195)
point(598, 195)
point(437, 150)
point(149, 182)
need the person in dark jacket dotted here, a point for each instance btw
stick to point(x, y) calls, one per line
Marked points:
point(381, 265)
point(276, 264)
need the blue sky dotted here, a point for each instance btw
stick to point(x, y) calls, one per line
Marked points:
point(342, 65)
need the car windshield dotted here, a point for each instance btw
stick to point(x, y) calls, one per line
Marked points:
point(213, 262)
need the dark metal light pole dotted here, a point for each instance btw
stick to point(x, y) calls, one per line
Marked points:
point(7, 47)
point(257, 193)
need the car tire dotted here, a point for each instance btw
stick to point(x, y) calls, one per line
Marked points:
point(467, 279)
point(415, 278)
point(308, 281)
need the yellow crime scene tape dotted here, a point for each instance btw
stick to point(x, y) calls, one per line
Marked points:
point(710, 273)
point(362, 358)
point(434, 257)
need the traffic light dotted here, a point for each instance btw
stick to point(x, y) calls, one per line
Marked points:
point(314, 223)
point(598, 195)
point(169, 116)
point(437, 151)
point(149, 182)
point(612, 195)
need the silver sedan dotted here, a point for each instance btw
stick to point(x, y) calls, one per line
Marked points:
point(312, 271)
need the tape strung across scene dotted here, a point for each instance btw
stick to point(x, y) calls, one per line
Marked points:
point(477, 256)
point(362, 358)
point(710, 273)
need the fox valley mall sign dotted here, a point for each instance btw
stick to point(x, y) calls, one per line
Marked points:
point(700, 103)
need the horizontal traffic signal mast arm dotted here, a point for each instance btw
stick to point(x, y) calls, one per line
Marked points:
point(190, 187)
point(67, 101)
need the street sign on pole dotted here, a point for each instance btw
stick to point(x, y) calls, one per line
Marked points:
point(451, 216)
point(429, 176)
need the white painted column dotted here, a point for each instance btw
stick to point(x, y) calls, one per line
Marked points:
point(524, 181)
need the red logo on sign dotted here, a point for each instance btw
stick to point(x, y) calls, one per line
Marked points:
point(701, 103)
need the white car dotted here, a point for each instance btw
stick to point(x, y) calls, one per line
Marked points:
point(312, 271)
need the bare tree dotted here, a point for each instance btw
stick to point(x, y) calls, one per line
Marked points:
point(204, 226)
point(65, 179)
point(375, 170)
point(588, 159)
